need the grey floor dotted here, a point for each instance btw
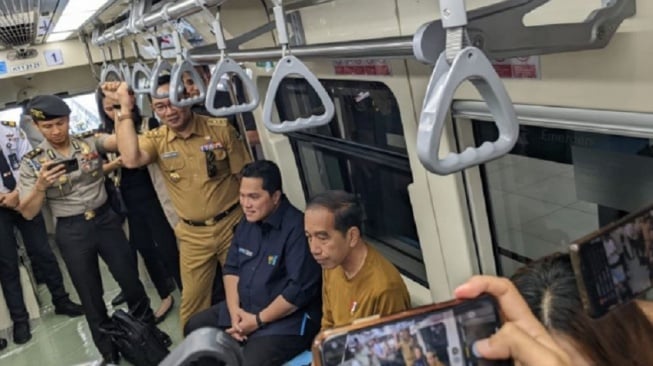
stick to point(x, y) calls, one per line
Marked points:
point(61, 341)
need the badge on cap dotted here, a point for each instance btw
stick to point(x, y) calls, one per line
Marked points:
point(36, 113)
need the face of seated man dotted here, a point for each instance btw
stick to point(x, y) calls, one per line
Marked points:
point(257, 203)
point(189, 84)
point(329, 247)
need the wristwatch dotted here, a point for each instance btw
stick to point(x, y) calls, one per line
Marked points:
point(259, 323)
point(121, 117)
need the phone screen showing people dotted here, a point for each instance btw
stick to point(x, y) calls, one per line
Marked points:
point(615, 264)
point(442, 337)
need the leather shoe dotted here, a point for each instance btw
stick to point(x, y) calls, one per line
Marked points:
point(22, 333)
point(119, 299)
point(162, 317)
point(69, 308)
point(3, 344)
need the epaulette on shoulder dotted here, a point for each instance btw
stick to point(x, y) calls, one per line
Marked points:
point(219, 122)
point(34, 153)
point(86, 134)
point(9, 123)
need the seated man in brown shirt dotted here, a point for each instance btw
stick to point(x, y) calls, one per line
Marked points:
point(357, 280)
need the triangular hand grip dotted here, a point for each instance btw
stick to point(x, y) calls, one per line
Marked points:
point(125, 71)
point(226, 66)
point(158, 70)
point(470, 64)
point(141, 78)
point(205, 342)
point(177, 90)
point(109, 70)
point(290, 65)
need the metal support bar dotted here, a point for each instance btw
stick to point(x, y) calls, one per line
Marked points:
point(488, 25)
point(595, 32)
point(175, 11)
point(395, 47)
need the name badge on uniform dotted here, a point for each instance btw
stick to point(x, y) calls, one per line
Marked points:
point(170, 155)
point(51, 154)
point(76, 145)
point(245, 251)
point(13, 160)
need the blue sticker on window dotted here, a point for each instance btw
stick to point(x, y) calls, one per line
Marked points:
point(3, 67)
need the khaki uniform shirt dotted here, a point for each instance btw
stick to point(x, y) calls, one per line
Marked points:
point(76, 192)
point(199, 171)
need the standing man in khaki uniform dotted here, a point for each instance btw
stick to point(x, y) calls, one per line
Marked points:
point(200, 158)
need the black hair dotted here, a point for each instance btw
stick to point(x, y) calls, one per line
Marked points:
point(344, 206)
point(266, 170)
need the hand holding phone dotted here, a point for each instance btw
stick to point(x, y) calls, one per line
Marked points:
point(522, 338)
point(70, 165)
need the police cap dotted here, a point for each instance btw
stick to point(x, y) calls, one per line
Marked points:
point(47, 107)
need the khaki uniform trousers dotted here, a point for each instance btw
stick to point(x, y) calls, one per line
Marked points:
point(200, 250)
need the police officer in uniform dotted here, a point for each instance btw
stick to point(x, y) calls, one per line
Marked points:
point(200, 158)
point(13, 145)
point(86, 226)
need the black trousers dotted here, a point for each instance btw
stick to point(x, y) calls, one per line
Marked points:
point(151, 234)
point(38, 249)
point(272, 350)
point(80, 242)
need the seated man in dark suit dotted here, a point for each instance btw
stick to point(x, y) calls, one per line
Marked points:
point(272, 282)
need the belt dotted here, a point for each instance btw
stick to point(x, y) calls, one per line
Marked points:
point(88, 215)
point(213, 220)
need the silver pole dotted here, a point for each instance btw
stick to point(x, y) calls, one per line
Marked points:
point(175, 11)
point(394, 47)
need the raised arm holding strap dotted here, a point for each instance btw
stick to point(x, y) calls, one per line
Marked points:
point(454, 66)
point(290, 65)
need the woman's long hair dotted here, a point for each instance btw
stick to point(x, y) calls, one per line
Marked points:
point(108, 125)
point(622, 337)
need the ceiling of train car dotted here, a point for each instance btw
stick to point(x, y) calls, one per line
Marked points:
point(29, 22)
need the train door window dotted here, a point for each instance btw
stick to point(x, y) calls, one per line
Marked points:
point(559, 185)
point(362, 151)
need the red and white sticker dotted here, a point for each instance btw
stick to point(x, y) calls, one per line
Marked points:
point(518, 68)
point(375, 67)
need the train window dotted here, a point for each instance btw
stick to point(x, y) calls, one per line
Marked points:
point(559, 185)
point(362, 151)
point(84, 114)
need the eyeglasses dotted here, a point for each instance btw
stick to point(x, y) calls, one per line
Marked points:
point(161, 108)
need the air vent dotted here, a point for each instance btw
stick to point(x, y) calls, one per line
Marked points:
point(18, 22)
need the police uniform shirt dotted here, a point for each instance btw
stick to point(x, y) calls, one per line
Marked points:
point(199, 171)
point(14, 145)
point(76, 192)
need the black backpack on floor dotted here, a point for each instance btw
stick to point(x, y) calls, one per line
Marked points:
point(140, 343)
